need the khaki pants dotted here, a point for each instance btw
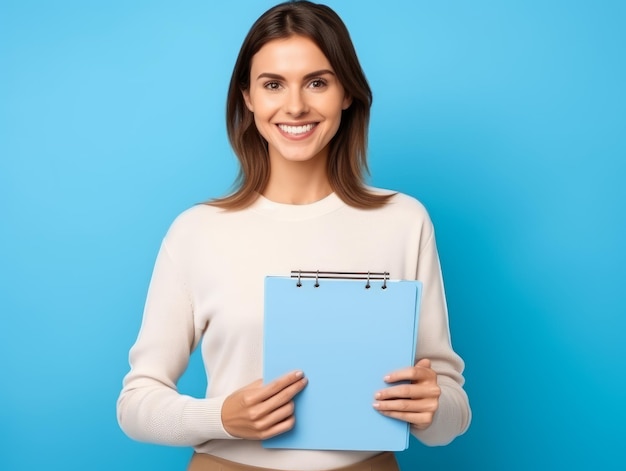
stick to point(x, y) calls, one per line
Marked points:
point(203, 462)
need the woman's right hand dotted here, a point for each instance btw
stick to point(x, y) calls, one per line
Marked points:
point(258, 412)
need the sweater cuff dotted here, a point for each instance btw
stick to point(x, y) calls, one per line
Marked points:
point(451, 419)
point(203, 418)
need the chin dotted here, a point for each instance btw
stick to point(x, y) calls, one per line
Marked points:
point(299, 158)
point(301, 155)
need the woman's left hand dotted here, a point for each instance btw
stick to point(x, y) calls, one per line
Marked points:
point(415, 402)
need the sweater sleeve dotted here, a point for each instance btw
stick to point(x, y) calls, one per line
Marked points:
point(149, 407)
point(453, 415)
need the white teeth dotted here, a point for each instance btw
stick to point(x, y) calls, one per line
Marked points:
point(295, 130)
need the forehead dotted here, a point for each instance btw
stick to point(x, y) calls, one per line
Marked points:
point(296, 54)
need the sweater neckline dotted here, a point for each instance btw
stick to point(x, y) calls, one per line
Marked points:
point(296, 212)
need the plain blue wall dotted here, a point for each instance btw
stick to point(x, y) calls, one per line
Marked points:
point(507, 119)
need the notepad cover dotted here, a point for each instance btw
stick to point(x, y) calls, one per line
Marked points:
point(345, 338)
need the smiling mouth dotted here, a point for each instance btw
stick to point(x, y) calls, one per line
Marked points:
point(297, 130)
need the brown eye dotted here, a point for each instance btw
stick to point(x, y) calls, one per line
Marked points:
point(272, 85)
point(318, 83)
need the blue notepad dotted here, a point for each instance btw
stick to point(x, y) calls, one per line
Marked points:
point(345, 338)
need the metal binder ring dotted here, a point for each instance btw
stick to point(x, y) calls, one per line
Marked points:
point(317, 275)
point(299, 283)
point(367, 285)
point(385, 280)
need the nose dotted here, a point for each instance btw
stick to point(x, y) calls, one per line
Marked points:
point(295, 103)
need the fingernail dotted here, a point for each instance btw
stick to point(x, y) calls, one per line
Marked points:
point(387, 378)
point(299, 374)
point(377, 395)
point(376, 405)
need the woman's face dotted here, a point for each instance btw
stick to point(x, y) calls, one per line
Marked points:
point(296, 99)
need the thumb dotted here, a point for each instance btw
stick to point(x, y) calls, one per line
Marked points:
point(424, 363)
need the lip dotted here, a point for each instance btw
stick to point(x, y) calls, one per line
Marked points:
point(297, 137)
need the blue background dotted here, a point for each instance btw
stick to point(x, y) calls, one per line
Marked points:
point(507, 119)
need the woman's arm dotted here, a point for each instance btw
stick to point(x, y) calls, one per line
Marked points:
point(150, 408)
point(434, 401)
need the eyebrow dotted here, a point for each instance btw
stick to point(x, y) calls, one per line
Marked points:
point(317, 73)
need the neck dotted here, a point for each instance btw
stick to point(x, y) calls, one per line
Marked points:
point(297, 182)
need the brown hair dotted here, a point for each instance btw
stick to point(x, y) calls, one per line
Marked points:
point(347, 162)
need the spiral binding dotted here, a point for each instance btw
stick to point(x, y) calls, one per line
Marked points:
point(340, 275)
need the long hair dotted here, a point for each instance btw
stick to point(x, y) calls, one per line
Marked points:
point(347, 160)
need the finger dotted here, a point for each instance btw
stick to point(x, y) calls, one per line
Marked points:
point(279, 428)
point(420, 420)
point(405, 374)
point(285, 395)
point(423, 363)
point(410, 391)
point(276, 416)
point(274, 387)
point(407, 405)
point(412, 373)
point(263, 407)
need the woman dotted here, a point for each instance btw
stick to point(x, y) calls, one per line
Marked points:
point(297, 114)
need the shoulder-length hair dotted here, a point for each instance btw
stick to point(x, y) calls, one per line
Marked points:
point(347, 160)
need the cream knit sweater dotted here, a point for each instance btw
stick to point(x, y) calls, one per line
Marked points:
point(207, 289)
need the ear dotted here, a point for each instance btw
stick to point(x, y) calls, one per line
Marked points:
point(347, 101)
point(246, 99)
